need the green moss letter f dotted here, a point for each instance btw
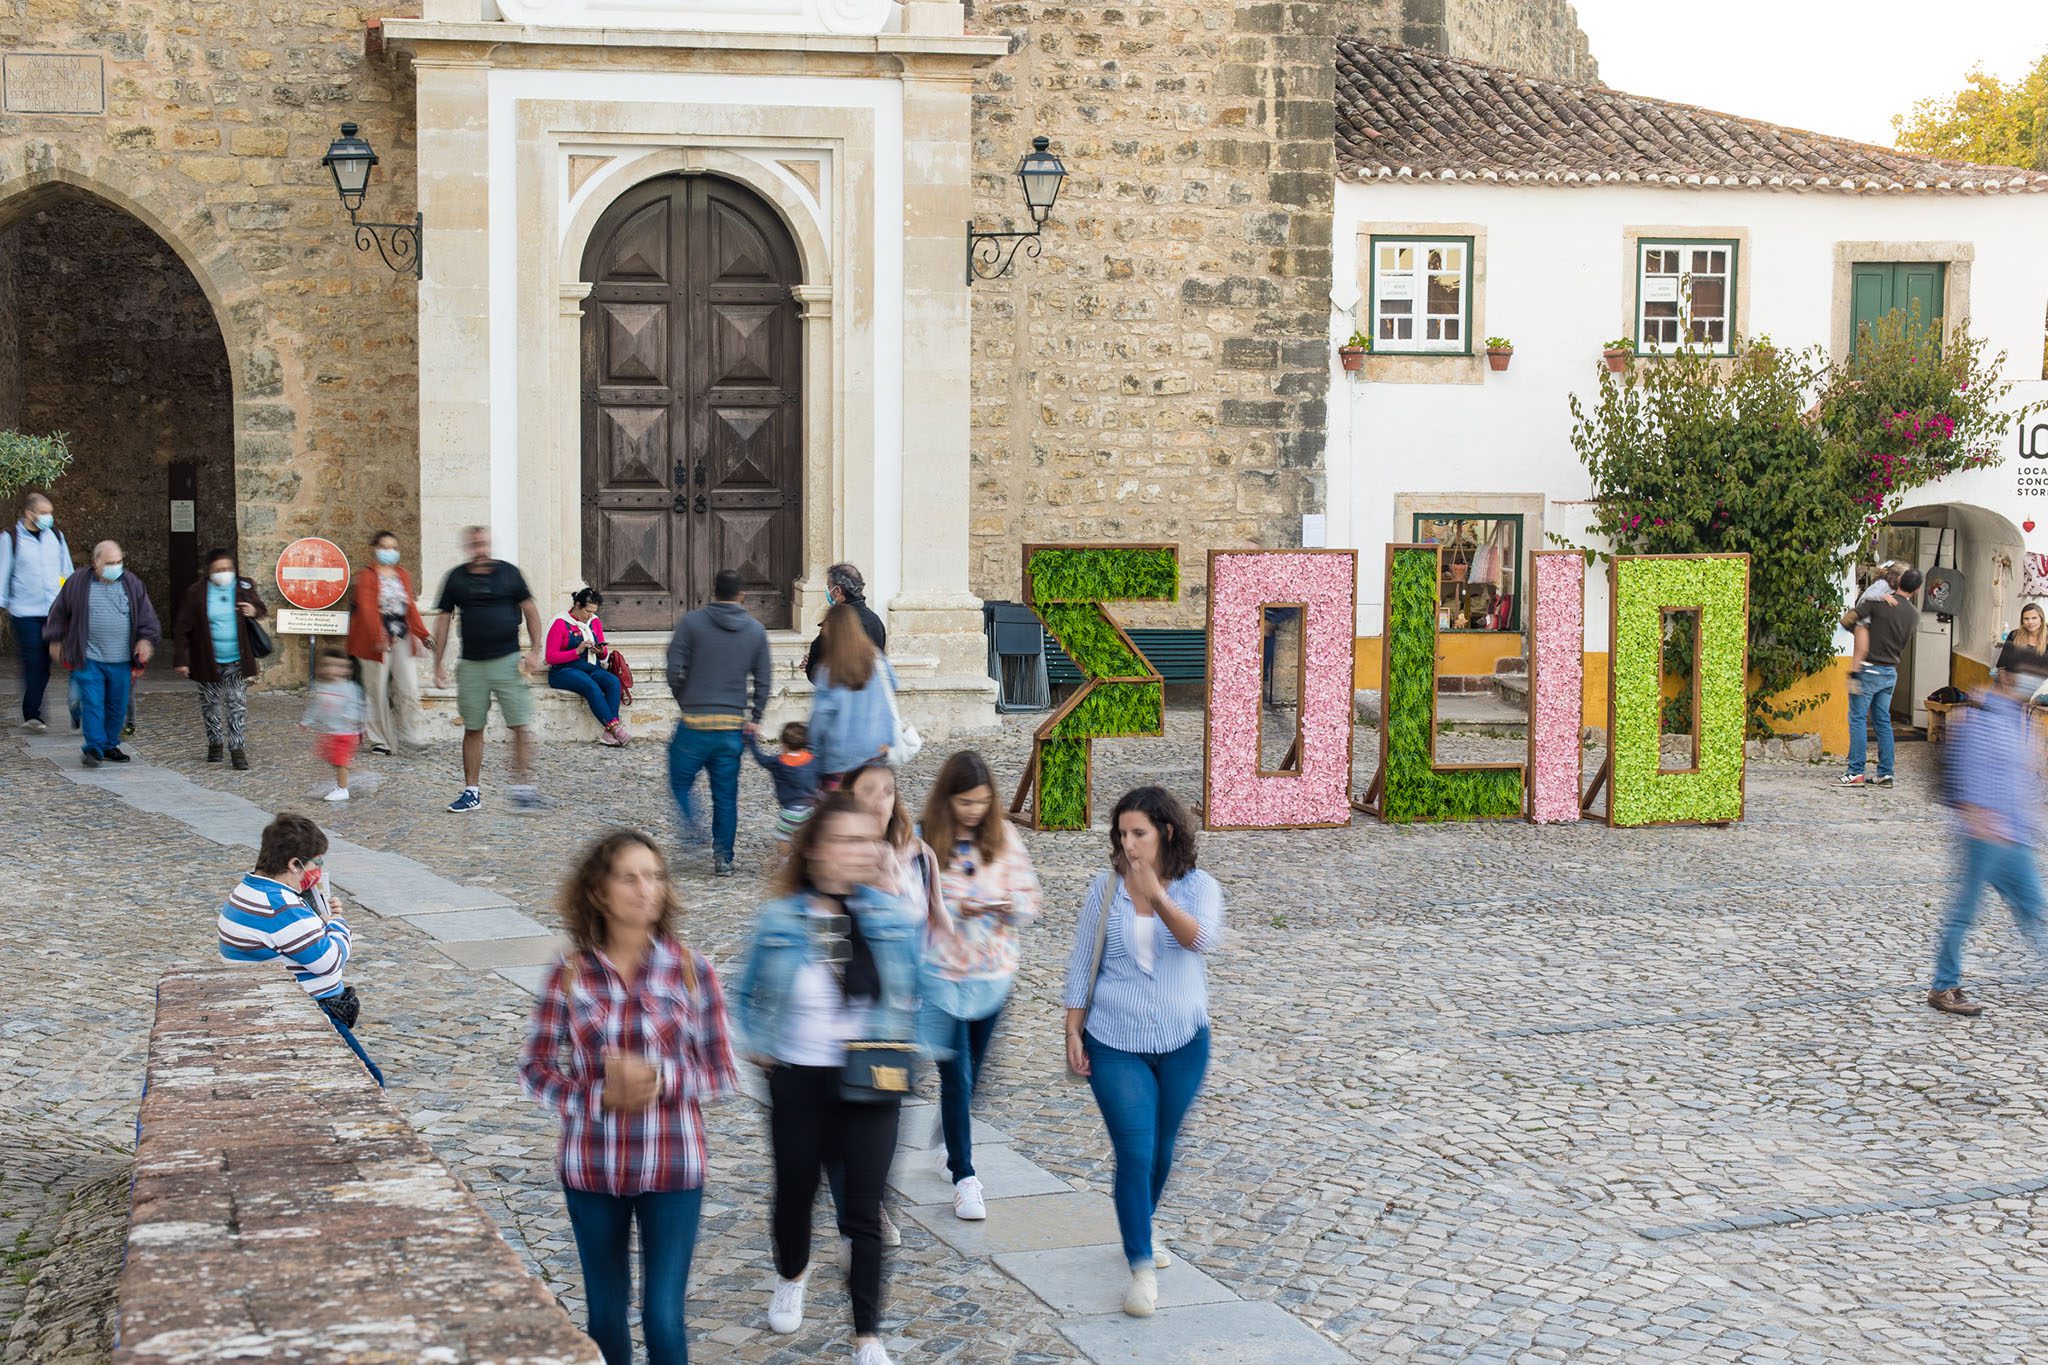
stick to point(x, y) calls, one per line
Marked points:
point(1122, 695)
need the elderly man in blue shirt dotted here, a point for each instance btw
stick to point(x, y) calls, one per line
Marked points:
point(1994, 784)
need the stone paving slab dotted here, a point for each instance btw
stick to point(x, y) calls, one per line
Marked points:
point(528, 979)
point(1214, 1334)
point(540, 951)
point(468, 926)
point(1033, 1223)
point(1005, 1174)
point(1084, 1281)
point(395, 886)
point(921, 1133)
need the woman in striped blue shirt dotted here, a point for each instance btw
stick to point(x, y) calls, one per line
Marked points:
point(1137, 1000)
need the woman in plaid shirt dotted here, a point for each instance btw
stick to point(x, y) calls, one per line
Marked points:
point(629, 1037)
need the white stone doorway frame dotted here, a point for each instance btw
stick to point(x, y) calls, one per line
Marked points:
point(823, 491)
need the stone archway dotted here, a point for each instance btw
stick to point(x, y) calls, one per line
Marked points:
point(108, 336)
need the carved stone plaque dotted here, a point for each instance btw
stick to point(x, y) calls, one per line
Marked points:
point(52, 83)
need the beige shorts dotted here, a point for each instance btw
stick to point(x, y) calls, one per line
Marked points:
point(479, 681)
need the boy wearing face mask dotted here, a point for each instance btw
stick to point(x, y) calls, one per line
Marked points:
point(280, 913)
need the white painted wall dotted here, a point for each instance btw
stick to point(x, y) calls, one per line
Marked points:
point(1554, 277)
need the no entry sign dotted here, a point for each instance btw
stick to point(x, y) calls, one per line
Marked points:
point(312, 573)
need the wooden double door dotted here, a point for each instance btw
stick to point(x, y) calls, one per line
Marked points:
point(692, 406)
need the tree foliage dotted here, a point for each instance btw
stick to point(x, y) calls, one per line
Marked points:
point(1987, 121)
point(31, 461)
point(1692, 455)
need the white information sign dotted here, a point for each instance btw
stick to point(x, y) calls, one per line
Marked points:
point(292, 621)
point(183, 515)
point(1660, 289)
point(1397, 286)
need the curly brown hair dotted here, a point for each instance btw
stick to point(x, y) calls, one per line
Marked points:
point(581, 903)
point(1176, 829)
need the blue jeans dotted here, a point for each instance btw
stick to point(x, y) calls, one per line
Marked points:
point(35, 664)
point(1143, 1097)
point(599, 688)
point(2012, 871)
point(668, 1240)
point(357, 1048)
point(102, 694)
point(716, 753)
point(959, 1069)
point(1872, 700)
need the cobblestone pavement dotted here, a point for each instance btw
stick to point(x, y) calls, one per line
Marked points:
point(1479, 1093)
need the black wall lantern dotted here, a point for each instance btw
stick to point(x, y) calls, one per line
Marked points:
point(1040, 172)
point(349, 159)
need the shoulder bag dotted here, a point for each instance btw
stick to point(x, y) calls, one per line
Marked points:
point(1116, 884)
point(905, 743)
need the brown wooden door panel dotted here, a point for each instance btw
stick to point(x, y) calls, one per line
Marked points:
point(692, 456)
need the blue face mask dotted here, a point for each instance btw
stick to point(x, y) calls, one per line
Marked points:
point(387, 557)
point(44, 521)
point(112, 573)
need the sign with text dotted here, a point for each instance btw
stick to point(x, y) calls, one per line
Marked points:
point(312, 574)
point(291, 621)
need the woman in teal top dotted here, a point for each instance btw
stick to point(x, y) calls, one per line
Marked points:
point(214, 644)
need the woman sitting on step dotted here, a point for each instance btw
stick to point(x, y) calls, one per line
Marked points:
point(575, 645)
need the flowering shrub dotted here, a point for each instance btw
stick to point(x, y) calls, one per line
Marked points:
point(1692, 455)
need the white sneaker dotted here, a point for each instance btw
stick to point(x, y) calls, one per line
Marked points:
point(967, 1201)
point(874, 1353)
point(786, 1309)
point(1161, 1259)
point(338, 794)
point(892, 1236)
point(34, 726)
point(1143, 1296)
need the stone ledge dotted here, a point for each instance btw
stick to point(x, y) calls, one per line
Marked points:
point(283, 1210)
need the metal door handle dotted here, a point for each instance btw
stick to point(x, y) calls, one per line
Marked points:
point(701, 503)
point(700, 473)
point(681, 504)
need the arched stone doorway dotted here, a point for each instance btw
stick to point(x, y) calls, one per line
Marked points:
point(107, 336)
point(1957, 647)
point(692, 384)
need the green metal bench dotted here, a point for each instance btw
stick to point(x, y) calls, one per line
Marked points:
point(1181, 656)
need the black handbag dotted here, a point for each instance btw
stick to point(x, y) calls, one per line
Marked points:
point(260, 643)
point(878, 1072)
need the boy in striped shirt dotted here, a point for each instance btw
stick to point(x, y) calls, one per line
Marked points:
point(279, 913)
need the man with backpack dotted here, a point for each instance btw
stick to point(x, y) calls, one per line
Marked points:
point(35, 560)
point(1993, 783)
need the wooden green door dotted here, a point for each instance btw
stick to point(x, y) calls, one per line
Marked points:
point(1877, 288)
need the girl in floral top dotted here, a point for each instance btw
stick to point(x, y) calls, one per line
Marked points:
point(628, 1038)
point(988, 890)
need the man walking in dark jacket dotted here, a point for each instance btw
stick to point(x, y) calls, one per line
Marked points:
point(103, 628)
point(717, 657)
point(843, 583)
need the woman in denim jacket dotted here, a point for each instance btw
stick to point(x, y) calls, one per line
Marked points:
point(833, 960)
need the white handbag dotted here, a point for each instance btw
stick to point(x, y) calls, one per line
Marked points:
point(907, 743)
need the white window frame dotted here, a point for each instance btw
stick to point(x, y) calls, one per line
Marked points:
point(1678, 283)
point(1413, 282)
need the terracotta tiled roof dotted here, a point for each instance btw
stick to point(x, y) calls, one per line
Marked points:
point(1407, 114)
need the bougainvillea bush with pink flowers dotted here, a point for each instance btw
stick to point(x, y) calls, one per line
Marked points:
point(1689, 454)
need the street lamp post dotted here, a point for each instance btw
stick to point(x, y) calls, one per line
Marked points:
point(990, 254)
point(349, 160)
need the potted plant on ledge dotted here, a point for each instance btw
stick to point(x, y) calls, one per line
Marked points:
point(1617, 354)
point(1498, 350)
point(1353, 352)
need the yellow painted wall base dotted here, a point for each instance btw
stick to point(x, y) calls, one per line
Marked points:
point(1830, 718)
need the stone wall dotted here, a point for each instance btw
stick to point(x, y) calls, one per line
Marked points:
point(215, 118)
point(10, 347)
point(1158, 373)
point(283, 1209)
point(120, 350)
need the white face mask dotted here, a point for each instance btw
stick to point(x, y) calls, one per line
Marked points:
point(221, 580)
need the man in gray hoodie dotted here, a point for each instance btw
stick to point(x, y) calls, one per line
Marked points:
point(718, 655)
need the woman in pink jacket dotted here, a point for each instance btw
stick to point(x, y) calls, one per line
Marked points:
point(574, 645)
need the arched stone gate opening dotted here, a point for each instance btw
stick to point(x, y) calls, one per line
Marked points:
point(107, 336)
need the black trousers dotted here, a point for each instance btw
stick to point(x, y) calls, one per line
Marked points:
point(809, 1125)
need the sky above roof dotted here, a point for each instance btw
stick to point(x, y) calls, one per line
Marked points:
point(1831, 66)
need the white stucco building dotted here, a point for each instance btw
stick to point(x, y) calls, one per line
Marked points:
point(1476, 202)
